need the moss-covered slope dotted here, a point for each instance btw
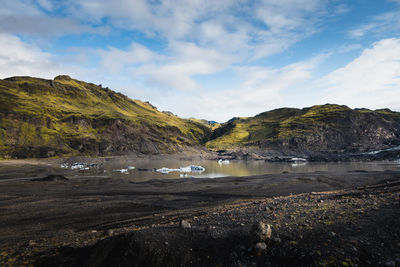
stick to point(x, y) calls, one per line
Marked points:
point(43, 118)
point(323, 128)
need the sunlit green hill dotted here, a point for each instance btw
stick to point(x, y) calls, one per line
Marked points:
point(330, 128)
point(64, 116)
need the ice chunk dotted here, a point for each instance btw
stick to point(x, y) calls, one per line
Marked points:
point(125, 171)
point(223, 161)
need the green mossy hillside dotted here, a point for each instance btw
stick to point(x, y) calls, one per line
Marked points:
point(64, 116)
point(319, 128)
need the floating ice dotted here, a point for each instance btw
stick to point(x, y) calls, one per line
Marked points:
point(197, 168)
point(223, 161)
point(167, 170)
point(298, 164)
point(185, 169)
point(79, 166)
point(125, 171)
point(297, 160)
point(191, 168)
point(64, 165)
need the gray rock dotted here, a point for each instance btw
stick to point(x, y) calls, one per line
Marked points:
point(261, 232)
point(184, 224)
point(390, 264)
point(260, 246)
point(108, 232)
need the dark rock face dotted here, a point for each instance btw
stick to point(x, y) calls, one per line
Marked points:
point(327, 129)
point(351, 134)
point(44, 118)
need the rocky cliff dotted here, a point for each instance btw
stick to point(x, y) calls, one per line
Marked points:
point(309, 131)
point(64, 116)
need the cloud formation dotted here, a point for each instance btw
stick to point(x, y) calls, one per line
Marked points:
point(19, 58)
point(209, 59)
point(372, 79)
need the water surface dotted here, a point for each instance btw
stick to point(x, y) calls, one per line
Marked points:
point(235, 168)
point(212, 169)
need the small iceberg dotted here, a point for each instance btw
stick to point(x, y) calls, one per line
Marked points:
point(185, 169)
point(191, 168)
point(223, 161)
point(297, 160)
point(298, 164)
point(165, 170)
point(383, 150)
point(197, 168)
point(64, 165)
point(79, 166)
point(124, 171)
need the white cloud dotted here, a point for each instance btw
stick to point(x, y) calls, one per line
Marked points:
point(115, 59)
point(203, 37)
point(379, 25)
point(45, 4)
point(185, 61)
point(245, 27)
point(371, 80)
point(260, 89)
point(26, 18)
point(19, 58)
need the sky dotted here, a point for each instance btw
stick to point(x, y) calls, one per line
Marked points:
point(212, 59)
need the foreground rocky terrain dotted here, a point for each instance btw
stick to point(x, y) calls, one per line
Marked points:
point(314, 219)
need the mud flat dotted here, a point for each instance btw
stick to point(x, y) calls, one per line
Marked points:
point(348, 219)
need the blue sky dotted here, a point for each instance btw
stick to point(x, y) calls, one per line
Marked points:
point(212, 59)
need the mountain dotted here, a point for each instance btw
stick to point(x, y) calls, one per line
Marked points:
point(64, 116)
point(318, 129)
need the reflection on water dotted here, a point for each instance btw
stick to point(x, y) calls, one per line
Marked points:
point(146, 169)
point(143, 170)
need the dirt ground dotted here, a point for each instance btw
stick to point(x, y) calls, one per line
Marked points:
point(317, 219)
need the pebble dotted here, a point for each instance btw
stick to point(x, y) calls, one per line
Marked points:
point(260, 246)
point(110, 232)
point(353, 249)
point(390, 264)
point(261, 231)
point(277, 240)
point(210, 228)
point(184, 224)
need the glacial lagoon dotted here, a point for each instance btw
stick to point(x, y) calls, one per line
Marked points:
point(146, 169)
